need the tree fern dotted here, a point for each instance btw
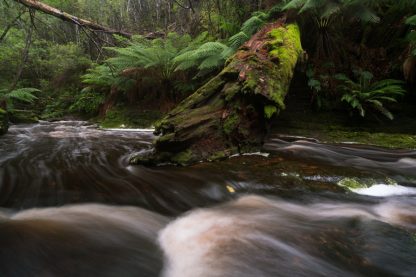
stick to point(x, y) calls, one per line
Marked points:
point(327, 8)
point(143, 58)
point(210, 56)
point(100, 75)
point(25, 95)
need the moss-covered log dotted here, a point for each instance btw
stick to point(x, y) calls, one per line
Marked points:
point(4, 122)
point(230, 114)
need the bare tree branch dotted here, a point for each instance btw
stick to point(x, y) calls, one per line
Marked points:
point(34, 4)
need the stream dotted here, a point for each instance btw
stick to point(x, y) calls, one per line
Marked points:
point(71, 205)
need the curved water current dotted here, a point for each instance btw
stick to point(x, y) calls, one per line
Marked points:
point(71, 205)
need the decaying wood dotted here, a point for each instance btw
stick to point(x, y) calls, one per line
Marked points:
point(230, 114)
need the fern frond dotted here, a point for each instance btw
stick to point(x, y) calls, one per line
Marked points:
point(209, 49)
point(312, 5)
point(238, 40)
point(294, 5)
point(211, 63)
point(23, 94)
point(252, 25)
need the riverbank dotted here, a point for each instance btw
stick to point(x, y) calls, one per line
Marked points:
point(338, 126)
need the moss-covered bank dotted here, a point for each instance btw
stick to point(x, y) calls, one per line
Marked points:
point(230, 114)
point(4, 122)
point(337, 126)
point(128, 117)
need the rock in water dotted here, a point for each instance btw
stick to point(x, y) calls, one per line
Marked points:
point(230, 114)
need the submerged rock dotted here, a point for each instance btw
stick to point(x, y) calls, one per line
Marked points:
point(231, 113)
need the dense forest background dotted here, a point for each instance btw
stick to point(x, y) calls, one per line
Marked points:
point(360, 56)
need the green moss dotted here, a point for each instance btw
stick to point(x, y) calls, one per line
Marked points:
point(356, 183)
point(251, 83)
point(121, 117)
point(285, 48)
point(231, 123)
point(230, 90)
point(351, 183)
point(183, 158)
point(336, 127)
point(219, 156)
point(378, 139)
point(269, 111)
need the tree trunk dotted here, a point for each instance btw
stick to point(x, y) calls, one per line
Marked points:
point(33, 4)
point(25, 56)
point(230, 114)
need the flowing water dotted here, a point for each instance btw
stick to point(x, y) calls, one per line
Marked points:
point(71, 205)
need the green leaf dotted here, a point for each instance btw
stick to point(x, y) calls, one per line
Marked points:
point(269, 111)
point(411, 20)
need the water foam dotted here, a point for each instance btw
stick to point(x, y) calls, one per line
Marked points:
point(382, 190)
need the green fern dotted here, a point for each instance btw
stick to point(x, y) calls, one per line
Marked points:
point(143, 60)
point(253, 24)
point(238, 40)
point(208, 56)
point(87, 102)
point(328, 8)
point(25, 95)
point(211, 56)
point(101, 76)
point(364, 94)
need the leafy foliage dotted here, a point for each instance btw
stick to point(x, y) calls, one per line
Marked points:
point(87, 102)
point(328, 8)
point(101, 76)
point(364, 94)
point(328, 17)
point(211, 56)
point(207, 57)
point(149, 65)
point(411, 37)
point(21, 95)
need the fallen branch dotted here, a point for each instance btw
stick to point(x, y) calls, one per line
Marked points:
point(33, 4)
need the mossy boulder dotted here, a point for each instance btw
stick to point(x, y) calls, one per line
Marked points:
point(4, 122)
point(231, 113)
